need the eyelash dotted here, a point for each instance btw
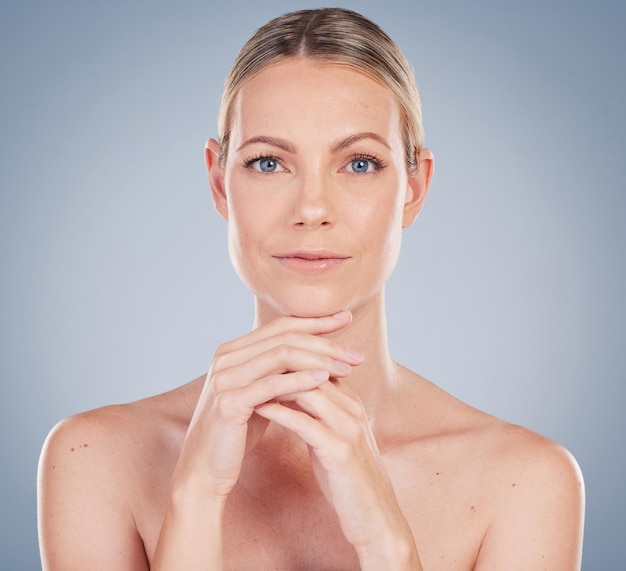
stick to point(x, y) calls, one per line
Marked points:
point(247, 163)
point(378, 163)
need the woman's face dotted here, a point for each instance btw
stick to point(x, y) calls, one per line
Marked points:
point(315, 187)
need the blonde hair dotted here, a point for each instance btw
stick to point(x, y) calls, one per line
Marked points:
point(335, 35)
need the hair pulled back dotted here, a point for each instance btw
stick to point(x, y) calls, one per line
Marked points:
point(334, 35)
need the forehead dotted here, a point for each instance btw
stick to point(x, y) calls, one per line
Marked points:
point(300, 97)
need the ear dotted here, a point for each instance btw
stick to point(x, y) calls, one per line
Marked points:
point(417, 187)
point(216, 177)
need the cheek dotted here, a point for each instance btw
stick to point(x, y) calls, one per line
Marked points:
point(245, 211)
point(381, 219)
point(240, 230)
point(243, 231)
point(241, 243)
point(381, 232)
point(250, 224)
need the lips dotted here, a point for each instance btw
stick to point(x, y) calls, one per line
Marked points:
point(311, 262)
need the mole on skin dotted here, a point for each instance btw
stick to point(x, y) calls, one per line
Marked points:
point(81, 446)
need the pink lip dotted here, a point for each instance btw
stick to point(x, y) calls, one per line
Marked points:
point(311, 262)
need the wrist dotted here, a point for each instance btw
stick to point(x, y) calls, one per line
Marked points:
point(191, 491)
point(391, 551)
point(191, 534)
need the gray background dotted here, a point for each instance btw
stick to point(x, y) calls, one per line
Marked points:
point(115, 278)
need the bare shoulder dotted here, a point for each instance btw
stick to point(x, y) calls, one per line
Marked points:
point(527, 473)
point(101, 431)
point(94, 469)
point(502, 451)
point(111, 437)
point(536, 499)
point(533, 458)
point(523, 491)
point(528, 488)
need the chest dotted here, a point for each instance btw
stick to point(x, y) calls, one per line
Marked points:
point(283, 522)
point(279, 519)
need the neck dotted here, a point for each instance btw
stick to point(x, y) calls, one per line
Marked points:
point(368, 334)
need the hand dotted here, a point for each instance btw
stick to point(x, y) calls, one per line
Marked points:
point(348, 467)
point(284, 357)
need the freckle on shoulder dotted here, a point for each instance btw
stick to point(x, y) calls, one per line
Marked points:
point(527, 456)
point(92, 431)
point(115, 429)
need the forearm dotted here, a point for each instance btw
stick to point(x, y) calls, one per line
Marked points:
point(393, 550)
point(191, 534)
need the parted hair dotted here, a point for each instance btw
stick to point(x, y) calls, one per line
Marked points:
point(334, 35)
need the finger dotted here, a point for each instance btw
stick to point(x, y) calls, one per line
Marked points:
point(296, 339)
point(279, 386)
point(310, 325)
point(333, 446)
point(238, 404)
point(347, 399)
point(332, 394)
point(339, 409)
point(312, 431)
point(335, 409)
point(278, 360)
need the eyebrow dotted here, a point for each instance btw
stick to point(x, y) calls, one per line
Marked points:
point(337, 147)
point(348, 141)
point(273, 141)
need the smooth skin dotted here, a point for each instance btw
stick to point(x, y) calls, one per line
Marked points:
point(306, 446)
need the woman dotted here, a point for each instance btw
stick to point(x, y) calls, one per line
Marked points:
point(306, 446)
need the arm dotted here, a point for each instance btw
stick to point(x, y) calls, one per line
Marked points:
point(347, 465)
point(284, 357)
point(538, 523)
point(84, 518)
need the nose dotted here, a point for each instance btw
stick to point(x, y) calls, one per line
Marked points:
point(312, 205)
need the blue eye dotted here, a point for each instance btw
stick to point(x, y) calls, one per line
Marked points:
point(364, 164)
point(268, 164)
point(360, 165)
point(264, 164)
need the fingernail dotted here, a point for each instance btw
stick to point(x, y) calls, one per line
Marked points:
point(342, 315)
point(354, 354)
point(343, 367)
point(320, 375)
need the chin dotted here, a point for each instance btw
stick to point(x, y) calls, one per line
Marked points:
point(314, 312)
point(305, 307)
point(311, 302)
point(300, 300)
